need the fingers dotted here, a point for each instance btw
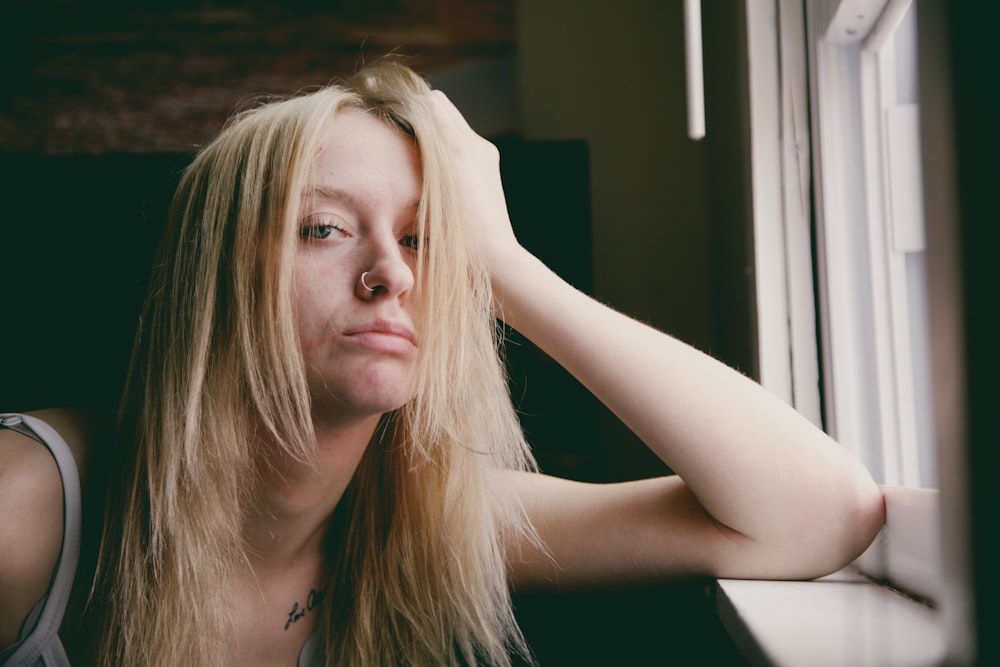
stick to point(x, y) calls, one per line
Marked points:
point(458, 135)
point(475, 167)
point(473, 157)
point(445, 111)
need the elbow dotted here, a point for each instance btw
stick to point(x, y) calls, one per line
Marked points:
point(853, 521)
point(826, 533)
point(832, 529)
point(866, 519)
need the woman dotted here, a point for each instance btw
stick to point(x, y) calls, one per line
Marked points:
point(317, 457)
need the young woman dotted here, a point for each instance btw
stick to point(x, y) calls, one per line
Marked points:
point(317, 420)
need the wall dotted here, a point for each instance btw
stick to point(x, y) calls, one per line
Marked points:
point(612, 73)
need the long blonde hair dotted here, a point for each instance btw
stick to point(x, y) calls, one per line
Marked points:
point(417, 557)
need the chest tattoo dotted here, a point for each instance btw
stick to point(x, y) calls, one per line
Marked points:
point(313, 601)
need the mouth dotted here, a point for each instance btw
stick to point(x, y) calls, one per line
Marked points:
point(383, 335)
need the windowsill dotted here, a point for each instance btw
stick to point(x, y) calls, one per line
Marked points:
point(843, 620)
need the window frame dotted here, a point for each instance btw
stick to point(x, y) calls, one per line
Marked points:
point(867, 347)
point(872, 332)
point(834, 275)
point(936, 543)
point(789, 293)
point(788, 353)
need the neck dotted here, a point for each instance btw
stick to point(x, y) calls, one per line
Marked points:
point(299, 498)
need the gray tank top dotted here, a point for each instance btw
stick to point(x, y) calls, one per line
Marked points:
point(38, 645)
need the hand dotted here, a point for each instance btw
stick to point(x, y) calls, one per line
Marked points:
point(475, 162)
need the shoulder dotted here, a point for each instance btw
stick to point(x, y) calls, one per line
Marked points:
point(81, 429)
point(31, 522)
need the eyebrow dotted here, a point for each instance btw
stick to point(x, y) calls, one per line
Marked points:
point(327, 192)
point(346, 196)
point(333, 194)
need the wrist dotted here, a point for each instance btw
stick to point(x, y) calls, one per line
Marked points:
point(520, 281)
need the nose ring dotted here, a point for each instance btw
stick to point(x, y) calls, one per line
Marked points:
point(365, 284)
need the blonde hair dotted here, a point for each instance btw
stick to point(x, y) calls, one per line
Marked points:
point(419, 575)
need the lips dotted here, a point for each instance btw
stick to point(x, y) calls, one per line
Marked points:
point(383, 335)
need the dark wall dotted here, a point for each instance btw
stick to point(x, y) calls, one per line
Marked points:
point(730, 207)
point(77, 235)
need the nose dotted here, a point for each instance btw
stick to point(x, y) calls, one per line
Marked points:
point(388, 270)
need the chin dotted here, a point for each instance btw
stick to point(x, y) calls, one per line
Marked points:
point(358, 404)
point(372, 388)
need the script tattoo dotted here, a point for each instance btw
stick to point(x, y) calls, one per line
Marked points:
point(313, 601)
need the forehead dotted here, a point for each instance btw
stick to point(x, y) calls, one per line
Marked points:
point(363, 156)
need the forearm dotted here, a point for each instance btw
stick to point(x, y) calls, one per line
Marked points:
point(755, 465)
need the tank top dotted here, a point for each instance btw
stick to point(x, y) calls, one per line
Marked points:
point(38, 644)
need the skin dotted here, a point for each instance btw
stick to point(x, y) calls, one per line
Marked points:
point(760, 492)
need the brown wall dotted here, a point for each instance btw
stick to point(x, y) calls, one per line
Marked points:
point(671, 233)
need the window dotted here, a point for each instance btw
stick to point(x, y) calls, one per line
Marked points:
point(838, 215)
point(839, 244)
point(870, 237)
point(871, 269)
point(903, 246)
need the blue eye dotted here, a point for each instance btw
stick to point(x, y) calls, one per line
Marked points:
point(316, 232)
point(411, 241)
point(321, 227)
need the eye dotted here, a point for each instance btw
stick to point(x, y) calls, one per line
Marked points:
point(412, 241)
point(324, 226)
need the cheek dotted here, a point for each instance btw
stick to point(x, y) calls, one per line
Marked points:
point(308, 299)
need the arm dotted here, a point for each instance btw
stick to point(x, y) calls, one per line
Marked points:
point(760, 492)
point(774, 497)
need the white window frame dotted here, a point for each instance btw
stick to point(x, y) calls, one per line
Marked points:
point(845, 619)
point(896, 233)
point(782, 36)
point(871, 400)
point(780, 166)
point(870, 232)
